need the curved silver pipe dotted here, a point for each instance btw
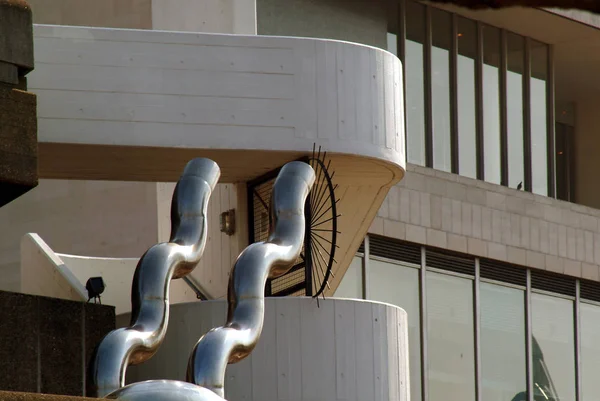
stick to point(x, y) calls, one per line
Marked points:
point(245, 316)
point(153, 274)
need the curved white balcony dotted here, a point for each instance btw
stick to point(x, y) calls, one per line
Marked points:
point(137, 105)
point(341, 349)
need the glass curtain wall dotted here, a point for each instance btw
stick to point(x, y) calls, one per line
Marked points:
point(466, 94)
point(459, 311)
point(503, 371)
point(477, 99)
point(441, 32)
point(414, 69)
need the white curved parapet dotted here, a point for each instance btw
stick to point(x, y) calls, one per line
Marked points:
point(174, 90)
point(136, 105)
point(340, 350)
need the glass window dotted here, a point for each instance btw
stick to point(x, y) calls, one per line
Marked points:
point(491, 104)
point(399, 285)
point(450, 339)
point(539, 130)
point(590, 352)
point(415, 83)
point(351, 285)
point(503, 354)
point(514, 113)
point(553, 348)
point(441, 26)
point(467, 54)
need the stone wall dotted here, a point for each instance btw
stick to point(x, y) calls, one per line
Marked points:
point(46, 344)
point(18, 119)
point(461, 214)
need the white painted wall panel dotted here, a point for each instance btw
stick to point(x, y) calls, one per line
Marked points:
point(121, 87)
point(346, 350)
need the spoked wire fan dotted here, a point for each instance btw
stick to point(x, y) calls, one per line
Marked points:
point(313, 269)
point(322, 224)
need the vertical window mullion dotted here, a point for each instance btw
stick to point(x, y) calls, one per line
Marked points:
point(479, 102)
point(423, 321)
point(365, 268)
point(401, 46)
point(550, 110)
point(527, 116)
point(454, 97)
point(428, 90)
point(529, 338)
point(577, 341)
point(477, 334)
point(503, 111)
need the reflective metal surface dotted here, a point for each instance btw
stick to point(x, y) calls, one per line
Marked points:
point(150, 289)
point(259, 261)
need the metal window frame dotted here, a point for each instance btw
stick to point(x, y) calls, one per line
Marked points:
point(454, 148)
point(477, 329)
point(504, 178)
point(577, 319)
point(550, 122)
point(423, 325)
point(479, 118)
point(528, 176)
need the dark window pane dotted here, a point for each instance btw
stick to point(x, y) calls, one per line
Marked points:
point(440, 86)
point(415, 94)
point(514, 113)
point(467, 54)
point(491, 104)
point(539, 130)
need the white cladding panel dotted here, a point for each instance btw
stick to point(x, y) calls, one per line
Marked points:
point(340, 350)
point(215, 91)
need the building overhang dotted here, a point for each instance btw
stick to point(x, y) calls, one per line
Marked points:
point(138, 105)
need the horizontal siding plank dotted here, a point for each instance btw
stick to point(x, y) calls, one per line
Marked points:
point(197, 57)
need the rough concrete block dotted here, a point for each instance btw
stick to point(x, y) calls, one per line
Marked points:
point(562, 241)
point(457, 243)
point(573, 268)
point(476, 226)
point(437, 238)
point(456, 217)
point(525, 233)
point(394, 229)
point(589, 247)
point(536, 260)
point(425, 209)
point(555, 264)
point(486, 224)
point(497, 251)
point(467, 219)
point(415, 208)
point(435, 212)
point(517, 255)
point(589, 271)
point(416, 234)
point(495, 200)
point(477, 247)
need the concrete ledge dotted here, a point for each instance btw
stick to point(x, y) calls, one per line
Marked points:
point(14, 396)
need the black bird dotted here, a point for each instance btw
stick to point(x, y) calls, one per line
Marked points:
point(520, 186)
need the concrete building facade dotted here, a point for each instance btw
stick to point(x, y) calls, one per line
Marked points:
point(491, 240)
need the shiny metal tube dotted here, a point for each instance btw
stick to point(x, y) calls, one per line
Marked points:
point(238, 337)
point(151, 282)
